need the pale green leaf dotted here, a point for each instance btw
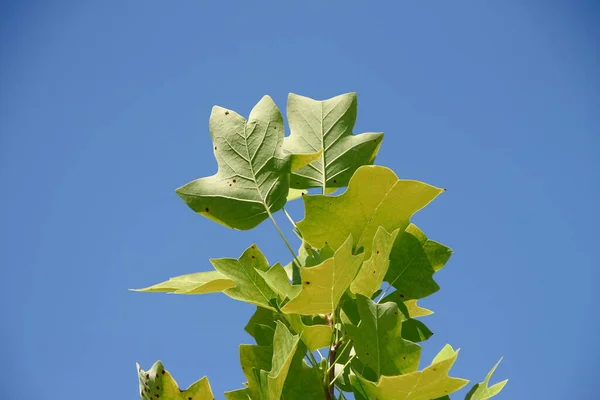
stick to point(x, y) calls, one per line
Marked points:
point(278, 280)
point(378, 340)
point(253, 169)
point(158, 383)
point(294, 194)
point(327, 125)
point(313, 336)
point(414, 310)
point(284, 348)
point(431, 383)
point(244, 272)
point(482, 391)
point(371, 273)
point(375, 197)
point(239, 394)
point(323, 285)
point(413, 261)
point(197, 283)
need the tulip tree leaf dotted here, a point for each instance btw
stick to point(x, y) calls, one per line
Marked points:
point(378, 340)
point(278, 280)
point(482, 391)
point(415, 311)
point(324, 285)
point(375, 197)
point(244, 272)
point(305, 382)
point(253, 169)
point(313, 336)
point(415, 331)
point(371, 273)
point(197, 283)
point(413, 261)
point(431, 383)
point(157, 383)
point(327, 126)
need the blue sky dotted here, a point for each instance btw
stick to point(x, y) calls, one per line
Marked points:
point(104, 111)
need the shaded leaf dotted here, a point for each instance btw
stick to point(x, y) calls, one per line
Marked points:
point(249, 284)
point(482, 391)
point(431, 383)
point(327, 125)
point(158, 383)
point(371, 273)
point(378, 340)
point(413, 261)
point(197, 283)
point(305, 382)
point(375, 197)
point(324, 284)
point(253, 169)
point(415, 331)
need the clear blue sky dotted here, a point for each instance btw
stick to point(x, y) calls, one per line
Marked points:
point(104, 111)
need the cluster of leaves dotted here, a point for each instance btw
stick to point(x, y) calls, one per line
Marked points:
point(351, 290)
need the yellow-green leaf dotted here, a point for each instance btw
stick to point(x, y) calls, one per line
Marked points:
point(482, 391)
point(431, 383)
point(371, 273)
point(313, 336)
point(375, 197)
point(157, 383)
point(323, 285)
point(197, 283)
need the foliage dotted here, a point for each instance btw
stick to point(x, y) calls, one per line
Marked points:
point(351, 289)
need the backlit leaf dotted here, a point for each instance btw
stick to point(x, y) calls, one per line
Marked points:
point(157, 383)
point(431, 383)
point(253, 169)
point(482, 391)
point(197, 283)
point(323, 285)
point(327, 125)
point(375, 197)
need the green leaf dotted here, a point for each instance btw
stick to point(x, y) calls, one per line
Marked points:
point(239, 394)
point(375, 197)
point(253, 360)
point(262, 317)
point(327, 125)
point(482, 391)
point(278, 280)
point(284, 348)
point(371, 274)
point(197, 283)
point(253, 169)
point(313, 336)
point(324, 284)
point(294, 194)
point(378, 340)
point(244, 272)
point(431, 383)
point(414, 310)
point(158, 383)
point(415, 331)
point(413, 261)
point(305, 382)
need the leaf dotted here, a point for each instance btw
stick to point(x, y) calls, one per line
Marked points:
point(431, 383)
point(294, 194)
point(197, 283)
point(253, 360)
point(413, 261)
point(261, 326)
point(278, 280)
point(378, 340)
point(415, 331)
point(313, 336)
point(327, 125)
point(375, 197)
point(324, 285)
point(305, 382)
point(371, 274)
point(244, 272)
point(415, 310)
point(253, 169)
point(482, 391)
point(158, 383)
point(284, 348)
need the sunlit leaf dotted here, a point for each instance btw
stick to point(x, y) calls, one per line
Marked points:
point(327, 125)
point(482, 391)
point(375, 197)
point(197, 283)
point(157, 383)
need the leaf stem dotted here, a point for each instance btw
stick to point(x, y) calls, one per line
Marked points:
point(289, 246)
point(343, 368)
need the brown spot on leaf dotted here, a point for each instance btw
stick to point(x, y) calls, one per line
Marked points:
point(162, 372)
point(206, 209)
point(234, 181)
point(147, 376)
point(307, 282)
point(226, 112)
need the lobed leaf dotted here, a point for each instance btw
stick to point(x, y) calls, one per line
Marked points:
point(431, 383)
point(196, 283)
point(482, 391)
point(326, 126)
point(253, 173)
point(158, 383)
point(375, 197)
point(324, 285)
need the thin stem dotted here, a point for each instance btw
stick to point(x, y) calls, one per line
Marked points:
point(312, 358)
point(295, 230)
point(342, 395)
point(384, 292)
point(321, 355)
point(343, 368)
point(289, 246)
